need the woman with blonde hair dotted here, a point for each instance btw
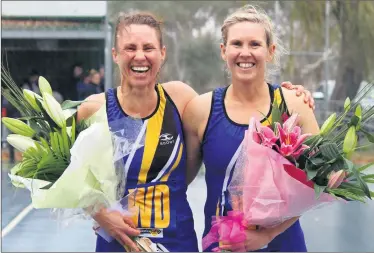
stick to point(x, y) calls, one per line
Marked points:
point(215, 122)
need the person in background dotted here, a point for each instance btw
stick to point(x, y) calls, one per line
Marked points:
point(32, 82)
point(96, 80)
point(84, 86)
point(76, 77)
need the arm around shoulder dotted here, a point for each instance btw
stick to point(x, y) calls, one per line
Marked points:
point(295, 104)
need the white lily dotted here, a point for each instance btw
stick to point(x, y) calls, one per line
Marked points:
point(20, 142)
point(44, 85)
point(53, 108)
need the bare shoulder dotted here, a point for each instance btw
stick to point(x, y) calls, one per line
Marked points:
point(197, 113)
point(181, 94)
point(296, 104)
point(93, 104)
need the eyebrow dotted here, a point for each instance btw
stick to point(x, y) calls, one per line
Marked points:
point(149, 45)
point(241, 41)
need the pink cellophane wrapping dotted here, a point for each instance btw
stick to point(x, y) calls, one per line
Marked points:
point(270, 189)
point(266, 190)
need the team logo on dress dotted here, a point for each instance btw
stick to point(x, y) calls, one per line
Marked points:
point(166, 139)
point(151, 232)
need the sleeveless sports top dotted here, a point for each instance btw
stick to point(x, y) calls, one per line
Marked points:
point(221, 140)
point(157, 171)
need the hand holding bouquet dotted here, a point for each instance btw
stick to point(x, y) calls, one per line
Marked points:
point(281, 174)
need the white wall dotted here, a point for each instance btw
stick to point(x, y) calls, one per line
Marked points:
point(54, 8)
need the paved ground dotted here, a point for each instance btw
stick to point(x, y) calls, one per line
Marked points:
point(337, 228)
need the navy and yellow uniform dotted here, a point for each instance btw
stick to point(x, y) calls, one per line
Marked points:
point(221, 146)
point(157, 171)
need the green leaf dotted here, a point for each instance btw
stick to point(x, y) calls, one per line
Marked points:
point(47, 186)
point(68, 104)
point(329, 151)
point(69, 121)
point(30, 117)
point(317, 161)
point(311, 174)
point(371, 176)
point(368, 135)
point(15, 169)
point(73, 132)
point(362, 184)
point(275, 114)
point(361, 169)
point(65, 140)
point(318, 190)
point(347, 194)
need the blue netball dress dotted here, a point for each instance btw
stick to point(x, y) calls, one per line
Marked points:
point(157, 171)
point(221, 141)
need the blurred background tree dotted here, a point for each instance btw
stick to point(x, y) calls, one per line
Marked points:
point(192, 30)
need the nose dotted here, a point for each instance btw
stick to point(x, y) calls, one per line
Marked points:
point(246, 51)
point(139, 55)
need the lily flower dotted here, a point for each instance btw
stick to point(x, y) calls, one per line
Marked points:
point(291, 139)
point(336, 178)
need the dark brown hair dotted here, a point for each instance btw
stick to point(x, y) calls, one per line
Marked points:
point(138, 18)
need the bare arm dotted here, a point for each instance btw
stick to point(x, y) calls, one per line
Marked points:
point(180, 93)
point(194, 158)
point(195, 119)
point(92, 105)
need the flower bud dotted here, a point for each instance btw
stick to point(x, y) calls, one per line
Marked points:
point(18, 127)
point(328, 124)
point(20, 142)
point(53, 108)
point(336, 178)
point(31, 99)
point(44, 86)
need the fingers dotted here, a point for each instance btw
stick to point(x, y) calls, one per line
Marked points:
point(129, 221)
point(126, 241)
point(287, 85)
point(131, 231)
point(233, 247)
point(309, 99)
point(299, 90)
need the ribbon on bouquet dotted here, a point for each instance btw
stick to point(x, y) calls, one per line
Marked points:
point(230, 229)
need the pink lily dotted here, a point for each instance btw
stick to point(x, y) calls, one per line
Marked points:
point(336, 178)
point(285, 117)
point(291, 138)
point(267, 136)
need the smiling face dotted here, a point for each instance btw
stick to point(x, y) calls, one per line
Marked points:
point(138, 55)
point(246, 52)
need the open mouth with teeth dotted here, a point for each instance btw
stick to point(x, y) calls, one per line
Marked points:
point(245, 65)
point(138, 69)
